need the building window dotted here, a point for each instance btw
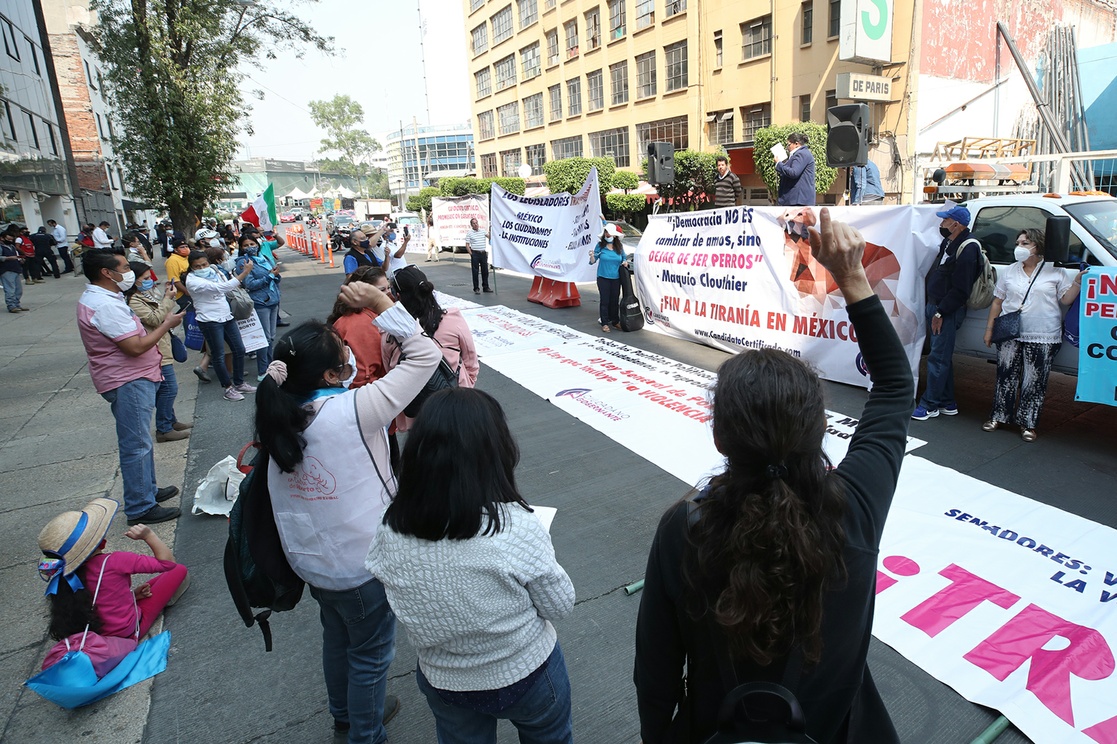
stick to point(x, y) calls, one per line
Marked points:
point(34, 57)
point(510, 163)
point(50, 136)
point(756, 38)
point(89, 75)
point(674, 130)
point(834, 22)
point(480, 41)
point(549, 4)
point(555, 94)
point(675, 59)
point(831, 99)
point(508, 117)
point(485, 130)
point(529, 60)
point(674, 7)
point(756, 117)
point(593, 29)
point(645, 13)
point(505, 72)
point(483, 79)
point(529, 12)
point(611, 143)
point(100, 127)
point(10, 39)
point(502, 25)
point(720, 124)
point(805, 108)
point(475, 4)
point(808, 22)
point(34, 141)
point(618, 83)
point(552, 48)
point(719, 54)
point(645, 75)
point(569, 147)
point(488, 165)
point(571, 38)
point(616, 19)
point(595, 91)
point(533, 111)
point(574, 97)
point(536, 155)
point(11, 133)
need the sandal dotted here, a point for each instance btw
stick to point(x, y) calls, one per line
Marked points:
point(990, 425)
point(1028, 435)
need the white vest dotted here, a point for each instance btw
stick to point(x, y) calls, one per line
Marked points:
point(328, 510)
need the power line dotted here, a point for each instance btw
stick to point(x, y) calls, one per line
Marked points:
point(278, 95)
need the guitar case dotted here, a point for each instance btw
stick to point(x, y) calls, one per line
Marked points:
point(632, 316)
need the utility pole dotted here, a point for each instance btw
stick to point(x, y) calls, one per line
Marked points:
point(418, 162)
point(423, 63)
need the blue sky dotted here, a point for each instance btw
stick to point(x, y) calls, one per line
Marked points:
point(377, 62)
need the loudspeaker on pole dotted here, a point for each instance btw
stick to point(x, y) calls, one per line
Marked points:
point(661, 162)
point(847, 135)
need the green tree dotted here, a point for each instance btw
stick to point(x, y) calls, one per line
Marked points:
point(568, 174)
point(695, 174)
point(341, 117)
point(422, 201)
point(766, 165)
point(173, 66)
point(626, 205)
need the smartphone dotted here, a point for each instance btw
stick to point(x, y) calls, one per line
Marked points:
point(406, 230)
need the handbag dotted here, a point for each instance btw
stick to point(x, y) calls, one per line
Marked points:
point(194, 338)
point(178, 348)
point(1006, 326)
point(240, 303)
point(444, 377)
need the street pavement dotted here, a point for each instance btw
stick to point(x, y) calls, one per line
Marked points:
point(57, 450)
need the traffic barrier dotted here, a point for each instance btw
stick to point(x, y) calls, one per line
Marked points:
point(561, 294)
point(536, 292)
point(330, 250)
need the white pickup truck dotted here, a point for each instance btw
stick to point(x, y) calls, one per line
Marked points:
point(997, 220)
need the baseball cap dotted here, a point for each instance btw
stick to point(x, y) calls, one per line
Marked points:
point(958, 214)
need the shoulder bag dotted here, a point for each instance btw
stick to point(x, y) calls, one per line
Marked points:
point(1006, 326)
point(444, 377)
point(240, 303)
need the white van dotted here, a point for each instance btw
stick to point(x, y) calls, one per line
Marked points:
point(997, 220)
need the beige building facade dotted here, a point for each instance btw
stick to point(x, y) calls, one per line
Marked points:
point(553, 79)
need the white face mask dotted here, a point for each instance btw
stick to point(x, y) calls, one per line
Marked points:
point(1021, 253)
point(127, 279)
point(214, 243)
point(352, 374)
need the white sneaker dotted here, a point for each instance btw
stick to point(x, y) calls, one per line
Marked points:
point(244, 387)
point(232, 394)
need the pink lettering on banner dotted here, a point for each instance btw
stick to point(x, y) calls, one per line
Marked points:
point(1086, 656)
point(898, 564)
point(1104, 732)
point(965, 592)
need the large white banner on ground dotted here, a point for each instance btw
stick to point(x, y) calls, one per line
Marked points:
point(451, 216)
point(744, 278)
point(550, 236)
point(1011, 602)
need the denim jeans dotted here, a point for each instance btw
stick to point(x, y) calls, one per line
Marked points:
point(541, 716)
point(165, 400)
point(358, 644)
point(13, 288)
point(216, 334)
point(133, 404)
point(268, 315)
point(940, 362)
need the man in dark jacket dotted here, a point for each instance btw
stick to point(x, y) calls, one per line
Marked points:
point(44, 244)
point(948, 287)
point(797, 177)
point(168, 238)
point(727, 189)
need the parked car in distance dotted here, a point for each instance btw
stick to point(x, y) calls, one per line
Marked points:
point(630, 235)
point(287, 217)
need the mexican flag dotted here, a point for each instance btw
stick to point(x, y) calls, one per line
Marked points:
point(261, 212)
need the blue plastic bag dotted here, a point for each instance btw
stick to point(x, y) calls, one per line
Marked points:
point(72, 682)
point(194, 337)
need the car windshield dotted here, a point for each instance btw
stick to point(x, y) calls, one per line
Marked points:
point(343, 220)
point(1100, 220)
point(628, 230)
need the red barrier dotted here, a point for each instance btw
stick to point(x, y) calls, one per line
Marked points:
point(536, 293)
point(549, 293)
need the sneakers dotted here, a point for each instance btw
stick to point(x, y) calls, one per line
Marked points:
point(155, 515)
point(232, 394)
point(167, 492)
point(201, 374)
point(244, 387)
point(171, 436)
point(476, 291)
point(488, 290)
point(950, 409)
point(922, 414)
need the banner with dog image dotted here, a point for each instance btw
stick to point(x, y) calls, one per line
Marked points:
point(744, 278)
point(549, 236)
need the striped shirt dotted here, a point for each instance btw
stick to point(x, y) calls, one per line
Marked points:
point(477, 240)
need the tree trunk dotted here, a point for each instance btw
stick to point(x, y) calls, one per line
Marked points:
point(182, 217)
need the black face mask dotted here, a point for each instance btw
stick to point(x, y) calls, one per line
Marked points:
point(944, 232)
point(365, 244)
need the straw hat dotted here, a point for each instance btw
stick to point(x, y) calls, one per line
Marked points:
point(73, 536)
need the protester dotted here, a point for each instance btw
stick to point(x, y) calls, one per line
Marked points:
point(355, 326)
point(769, 573)
point(471, 573)
point(126, 368)
point(727, 185)
point(152, 311)
point(1041, 292)
point(207, 290)
point(608, 254)
point(797, 174)
point(62, 242)
point(432, 244)
point(168, 238)
point(395, 251)
point(477, 243)
point(11, 268)
point(948, 287)
point(307, 424)
point(448, 328)
point(77, 569)
point(176, 266)
point(864, 184)
point(32, 266)
point(360, 253)
point(263, 286)
point(44, 243)
point(101, 238)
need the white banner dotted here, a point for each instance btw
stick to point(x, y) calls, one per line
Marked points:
point(451, 216)
point(252, 333)
point(744, 278)
point(1011, 602)
point(550, 236)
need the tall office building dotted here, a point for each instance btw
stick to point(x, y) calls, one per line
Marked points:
point(419, 156)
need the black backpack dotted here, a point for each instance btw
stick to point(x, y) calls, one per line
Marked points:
point(256, 568)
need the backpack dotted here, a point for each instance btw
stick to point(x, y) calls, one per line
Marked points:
point(256, 568)
point(981, 293)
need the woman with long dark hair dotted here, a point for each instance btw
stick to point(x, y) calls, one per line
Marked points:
point(768, 574)
point(470, 571)
point(608, 254)
point(326, 457)
point(208, 286)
